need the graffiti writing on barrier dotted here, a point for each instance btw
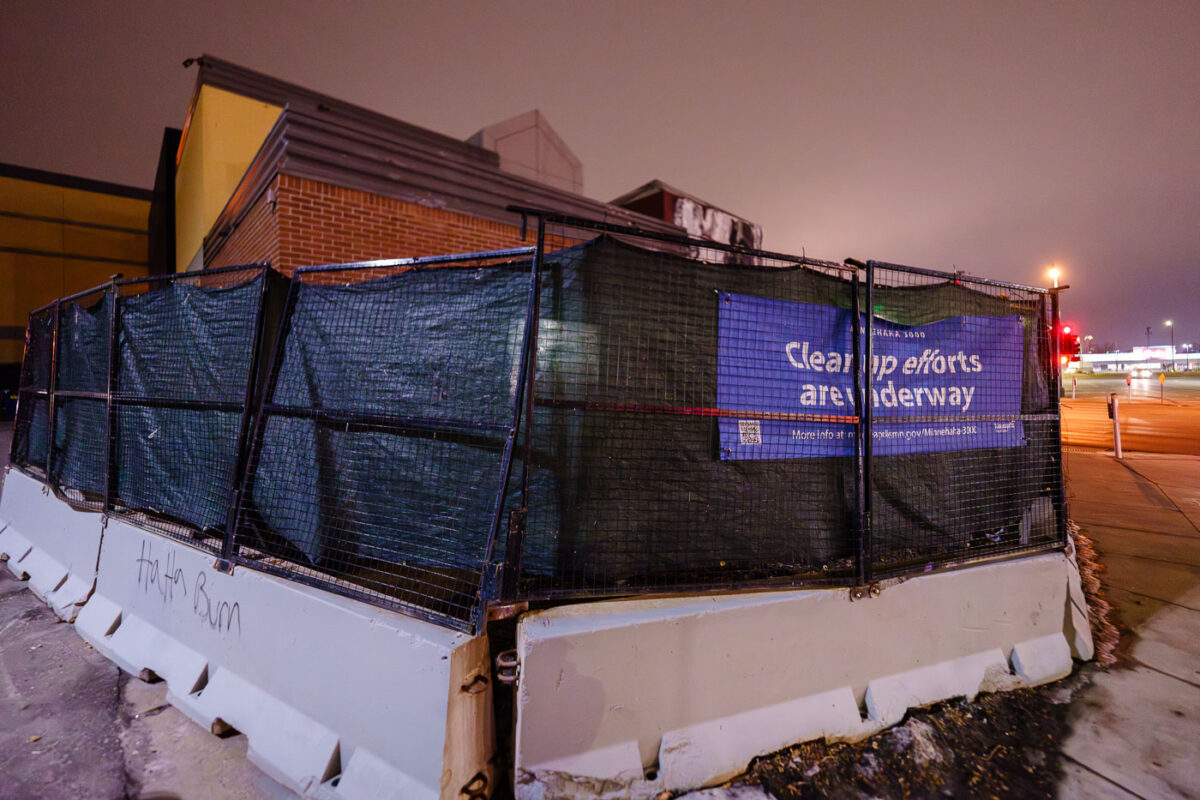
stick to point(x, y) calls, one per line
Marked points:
point(166, 579)
point(219, 614)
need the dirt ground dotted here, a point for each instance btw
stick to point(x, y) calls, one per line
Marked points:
point(999, 745)
point(1007, 744)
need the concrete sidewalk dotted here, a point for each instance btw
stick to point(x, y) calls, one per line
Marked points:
point(73, 727)
point(1136, 728)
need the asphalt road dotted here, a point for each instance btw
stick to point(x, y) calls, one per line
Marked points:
point(1148, 424)
point(1176, 388)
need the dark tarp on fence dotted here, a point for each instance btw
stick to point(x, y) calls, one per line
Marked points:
point(191, 345)
point(626, 367)
point(382, 438)
point(31, 426)
point(627, 383)
point(626, 489)
point(931, 505)
point(379, 440)
point(79, 458)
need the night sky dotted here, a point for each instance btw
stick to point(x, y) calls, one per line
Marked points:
point(995, 138)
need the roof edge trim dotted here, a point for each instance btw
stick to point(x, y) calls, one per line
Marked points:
point(73, 182)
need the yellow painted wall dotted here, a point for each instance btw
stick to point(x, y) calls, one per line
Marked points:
point(223, 133)
point(33, 269)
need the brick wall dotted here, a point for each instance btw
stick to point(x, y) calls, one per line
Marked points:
point(322, 224)
point(256, 238)
point(318, 223)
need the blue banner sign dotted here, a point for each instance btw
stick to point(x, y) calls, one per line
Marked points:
point(785, 382)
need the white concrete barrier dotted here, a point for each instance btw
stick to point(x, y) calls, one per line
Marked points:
point(624, 698)
point(337, 698)
point(49, 543)
point(630, 698)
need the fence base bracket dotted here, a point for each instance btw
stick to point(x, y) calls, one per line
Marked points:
point(502, 611)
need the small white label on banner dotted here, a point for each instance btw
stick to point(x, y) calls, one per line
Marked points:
point(749, 431)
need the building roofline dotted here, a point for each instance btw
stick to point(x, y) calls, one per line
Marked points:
point(652, 187)
point(383, 159)
point(488, 139)
point(73, 182)
point(222, 74)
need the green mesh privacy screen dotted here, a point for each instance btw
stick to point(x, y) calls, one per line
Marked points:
point(609, 413)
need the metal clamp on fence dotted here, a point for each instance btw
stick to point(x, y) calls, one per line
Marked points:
point(508, 667)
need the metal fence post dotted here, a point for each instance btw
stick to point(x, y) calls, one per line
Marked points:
point(867, 555)
point(21, 375)
point(1056, 390)
point(1055, 364)
point(1114, 413)
point(240, 467)
point(50, 400)
point(114, 343)
point(860, 567)
point(258, 419)
point(515, 542)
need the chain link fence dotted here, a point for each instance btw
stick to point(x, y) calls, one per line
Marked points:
point(185, 371)
point(965, 442)
point(607, 413)
point(31, 425)
point(385, 431)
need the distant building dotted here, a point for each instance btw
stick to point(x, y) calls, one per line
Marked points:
point(60, 234)
point(269, 171)
point(264, 170)
point(1139, 359)
point(528, 146)
point(698, 217)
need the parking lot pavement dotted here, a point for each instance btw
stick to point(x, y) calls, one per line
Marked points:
point(1135, 728)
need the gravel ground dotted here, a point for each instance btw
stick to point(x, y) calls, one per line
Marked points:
point(999, 745)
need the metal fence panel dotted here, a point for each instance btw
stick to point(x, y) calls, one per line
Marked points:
point(382, 439)
point(79, 449)
point(610, 413)
point(186, 353)
point(659, 462)
point(31, 427)
point(965, 427)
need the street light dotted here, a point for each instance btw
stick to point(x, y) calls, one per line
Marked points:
point(1187, 364)
point(1088, 339)
point(1172, 327)
point(1054, 273)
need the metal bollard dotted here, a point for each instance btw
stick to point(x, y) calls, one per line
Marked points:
point(1114, 413)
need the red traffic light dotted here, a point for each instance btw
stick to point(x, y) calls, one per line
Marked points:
point(1068, 344)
